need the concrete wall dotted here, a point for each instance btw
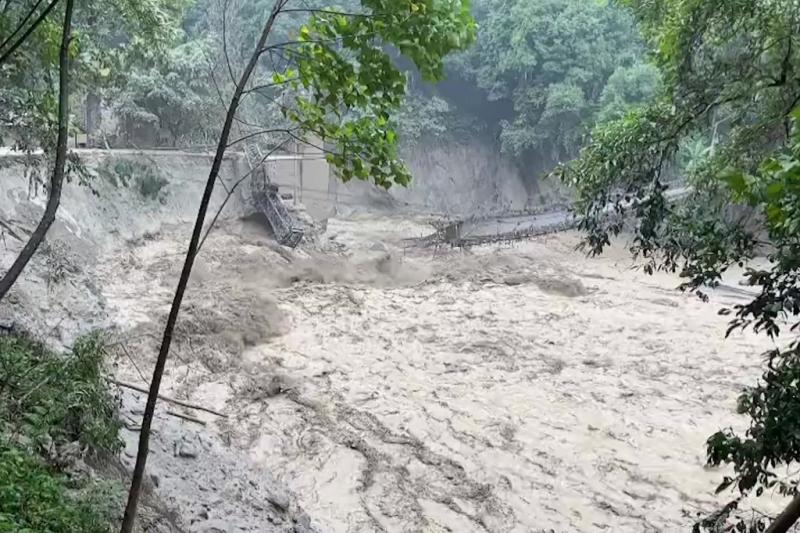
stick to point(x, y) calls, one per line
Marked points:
point(469, 178)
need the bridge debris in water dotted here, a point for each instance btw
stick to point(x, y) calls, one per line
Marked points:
point(516, 226)
point(481, 230)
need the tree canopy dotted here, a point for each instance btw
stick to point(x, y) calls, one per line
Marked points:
point(730, 72)
point(174, 95)
point(551, 60)
point(540, 75)
point(106, 35)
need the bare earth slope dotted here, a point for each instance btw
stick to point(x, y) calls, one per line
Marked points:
point(501, 390)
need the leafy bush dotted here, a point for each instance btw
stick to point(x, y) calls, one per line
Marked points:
point(60, 399)
point(150, 185)
point(145, 178)
point(48, 403)
point(36, 499)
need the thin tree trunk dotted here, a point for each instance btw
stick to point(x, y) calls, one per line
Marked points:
point(57, 180)
point(787, 518)
point(152, 397)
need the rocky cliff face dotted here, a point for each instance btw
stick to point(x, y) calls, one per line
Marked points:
point(468, 177)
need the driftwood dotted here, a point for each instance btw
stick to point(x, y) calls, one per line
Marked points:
point(11, 231)
point(186, 417)
point(170, 400)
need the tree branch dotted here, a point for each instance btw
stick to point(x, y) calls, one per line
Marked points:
point(30, 30)
point(182, 403)
point(21, 24)
point(269, 85)
point(787, 518)
point(256, 134)
point(330, 12)
point(320, 148)
point(285, 44)
point(225, 41)
point(222, 99)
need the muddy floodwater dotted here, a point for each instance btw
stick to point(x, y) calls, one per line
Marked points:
point(379, 387)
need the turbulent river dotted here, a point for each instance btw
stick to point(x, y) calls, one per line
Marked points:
point(384, 388)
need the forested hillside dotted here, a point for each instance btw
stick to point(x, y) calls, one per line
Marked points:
point(523, 98)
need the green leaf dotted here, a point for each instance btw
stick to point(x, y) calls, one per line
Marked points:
point(775, 190)
point(737, 182)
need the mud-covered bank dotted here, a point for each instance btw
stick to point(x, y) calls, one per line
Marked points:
point(63, 294)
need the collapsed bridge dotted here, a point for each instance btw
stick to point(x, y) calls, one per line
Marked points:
point(288, 231)
point(268, 201)
point(516, 226)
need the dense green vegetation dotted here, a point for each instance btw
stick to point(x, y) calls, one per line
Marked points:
point(109, 39)
point(145, 178)
point(555, 66)
point(730, 73)
point(540, 75)
point(173, 95)
point(55, 411)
